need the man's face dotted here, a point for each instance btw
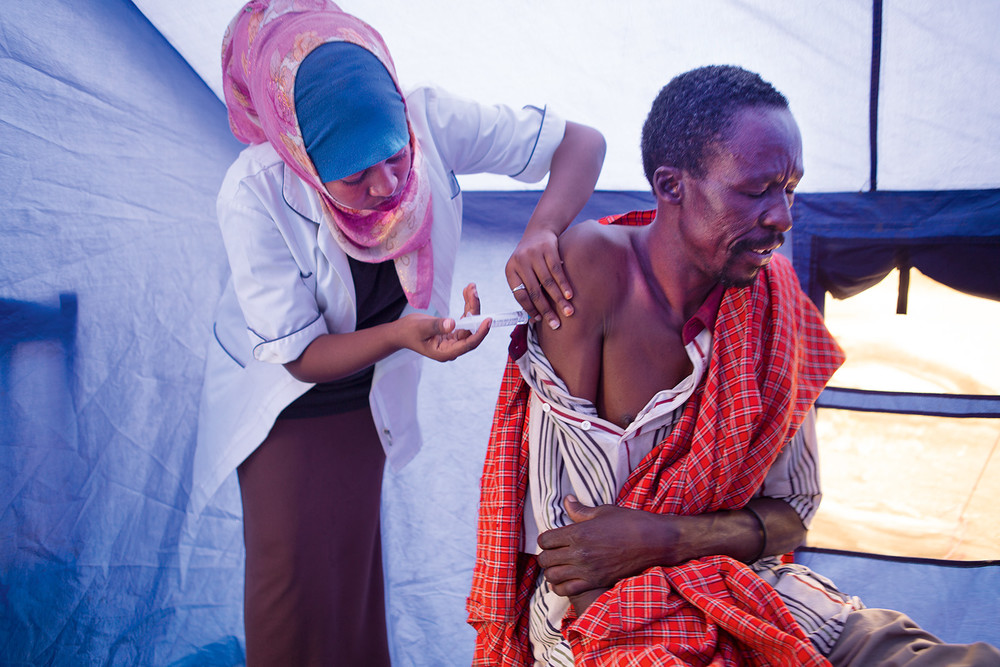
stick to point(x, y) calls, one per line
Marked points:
point(736, 216)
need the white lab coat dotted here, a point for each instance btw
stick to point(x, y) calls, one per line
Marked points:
point(291, 282)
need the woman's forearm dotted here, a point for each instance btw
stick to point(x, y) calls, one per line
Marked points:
point(576, 165)
point(333, 356)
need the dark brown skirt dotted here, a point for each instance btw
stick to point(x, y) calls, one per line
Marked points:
point(314, 590)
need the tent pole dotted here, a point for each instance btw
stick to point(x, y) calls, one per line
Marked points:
point(873, 94)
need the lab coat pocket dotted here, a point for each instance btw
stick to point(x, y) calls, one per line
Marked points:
point(230, 328)
point(393, 402)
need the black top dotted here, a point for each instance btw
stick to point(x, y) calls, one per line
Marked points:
point(380, 300)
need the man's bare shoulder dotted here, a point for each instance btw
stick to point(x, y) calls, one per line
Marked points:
point(594, 253)
point(599, 262)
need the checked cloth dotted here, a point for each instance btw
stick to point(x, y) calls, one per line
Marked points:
point(771, 358)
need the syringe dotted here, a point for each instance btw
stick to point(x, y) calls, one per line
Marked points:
point(472, 322)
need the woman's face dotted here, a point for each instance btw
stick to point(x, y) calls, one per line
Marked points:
point(375, 188)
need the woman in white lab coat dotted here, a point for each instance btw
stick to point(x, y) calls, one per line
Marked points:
point(341, 222)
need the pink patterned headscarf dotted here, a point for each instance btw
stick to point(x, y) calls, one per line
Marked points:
point(261, 52)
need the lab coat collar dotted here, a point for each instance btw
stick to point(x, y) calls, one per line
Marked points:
point(300, 196)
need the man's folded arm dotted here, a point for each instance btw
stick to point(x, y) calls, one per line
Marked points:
point(608, 543)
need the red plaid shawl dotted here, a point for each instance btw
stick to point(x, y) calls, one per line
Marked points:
point(772, 356)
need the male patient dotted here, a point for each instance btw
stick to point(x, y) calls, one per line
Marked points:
point(653, 456)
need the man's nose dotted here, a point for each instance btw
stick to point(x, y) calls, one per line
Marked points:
point(779, 213)
point(383, 181)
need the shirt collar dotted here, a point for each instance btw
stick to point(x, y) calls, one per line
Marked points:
point(705, 317)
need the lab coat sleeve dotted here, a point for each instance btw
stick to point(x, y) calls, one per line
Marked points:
point(275, 293)
point(498, 139)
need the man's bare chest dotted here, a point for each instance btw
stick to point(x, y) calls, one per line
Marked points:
point(637, 367)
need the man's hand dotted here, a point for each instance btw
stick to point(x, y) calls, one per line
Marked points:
point(606, 544)
point(583, 600)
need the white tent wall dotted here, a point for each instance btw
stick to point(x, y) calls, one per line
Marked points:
point(112, 148)
point(939, 103)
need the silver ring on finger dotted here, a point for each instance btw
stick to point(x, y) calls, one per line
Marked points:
point(519, 287)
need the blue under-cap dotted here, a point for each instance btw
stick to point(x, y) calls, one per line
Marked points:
point(350, 112)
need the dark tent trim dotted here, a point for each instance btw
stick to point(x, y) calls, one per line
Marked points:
point(959, 564)
point(844, 243)
point(934, 405)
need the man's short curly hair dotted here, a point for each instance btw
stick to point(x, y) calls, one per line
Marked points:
point(695, 111)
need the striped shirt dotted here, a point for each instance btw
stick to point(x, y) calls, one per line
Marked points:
point(574, 451)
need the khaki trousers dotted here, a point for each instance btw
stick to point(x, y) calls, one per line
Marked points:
point(884, 638)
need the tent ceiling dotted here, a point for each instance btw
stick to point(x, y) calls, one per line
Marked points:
point(602, 63)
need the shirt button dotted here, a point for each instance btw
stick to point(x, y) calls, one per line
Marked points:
point(546, 407)
point(585, 425)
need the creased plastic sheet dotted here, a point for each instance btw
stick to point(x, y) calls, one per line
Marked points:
point(111, 153)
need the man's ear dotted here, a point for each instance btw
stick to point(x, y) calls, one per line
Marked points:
point(668, 185)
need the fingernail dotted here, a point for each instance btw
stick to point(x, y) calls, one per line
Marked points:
point(554, 323)
point(568, 310)
point(568, 294)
